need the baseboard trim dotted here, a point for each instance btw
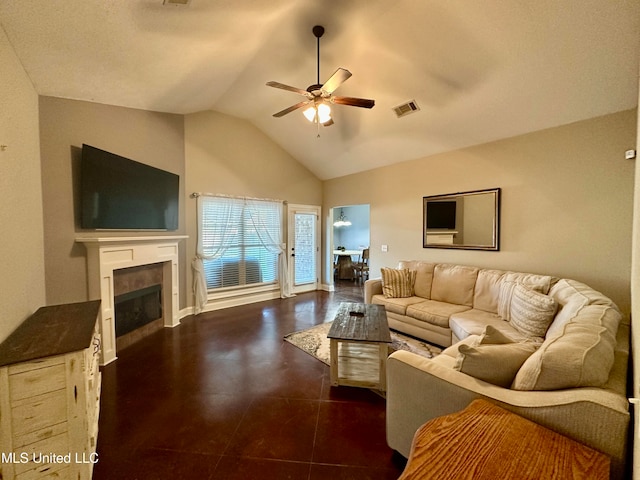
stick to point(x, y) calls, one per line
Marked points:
point(327, 287)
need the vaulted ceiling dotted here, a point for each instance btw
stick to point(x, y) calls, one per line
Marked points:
point(478, 70)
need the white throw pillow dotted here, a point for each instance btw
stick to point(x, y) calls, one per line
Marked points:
point(531, 312)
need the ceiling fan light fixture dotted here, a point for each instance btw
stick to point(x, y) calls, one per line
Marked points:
point(310, 113)
point(320, 113)
point(324, 113)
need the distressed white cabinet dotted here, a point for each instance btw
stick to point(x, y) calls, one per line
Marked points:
point(50, 394)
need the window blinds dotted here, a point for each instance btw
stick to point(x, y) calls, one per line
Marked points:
point(242, 238)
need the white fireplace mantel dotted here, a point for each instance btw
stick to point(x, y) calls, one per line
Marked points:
point(106, 254)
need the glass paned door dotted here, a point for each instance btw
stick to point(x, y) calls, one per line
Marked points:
point(304, 248)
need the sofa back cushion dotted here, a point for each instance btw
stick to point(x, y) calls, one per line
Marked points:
point(454, 284)
point(539, 283)
point(487, 290)
point(424, 276)
point(579, 354)
point(572, 296)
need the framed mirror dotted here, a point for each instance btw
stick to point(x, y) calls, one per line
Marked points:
point(465, 220)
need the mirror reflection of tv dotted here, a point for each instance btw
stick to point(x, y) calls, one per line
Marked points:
point(121, 194)
point(441, 215)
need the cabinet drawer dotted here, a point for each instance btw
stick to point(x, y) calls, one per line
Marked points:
point(46, 472)
point(36, 382)
point(58, 445)
point(39, 412)
point(37, 363)
point(40, 435)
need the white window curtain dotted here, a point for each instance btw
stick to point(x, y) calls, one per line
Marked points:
point(221, 223)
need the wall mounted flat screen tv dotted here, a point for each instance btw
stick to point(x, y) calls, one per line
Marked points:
point(121, 194)
point(441, 215)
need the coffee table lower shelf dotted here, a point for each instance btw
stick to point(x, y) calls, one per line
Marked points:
point(358, 364)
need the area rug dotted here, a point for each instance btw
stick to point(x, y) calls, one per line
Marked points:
point(314, 341)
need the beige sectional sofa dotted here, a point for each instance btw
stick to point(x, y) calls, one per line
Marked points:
point(551, 350)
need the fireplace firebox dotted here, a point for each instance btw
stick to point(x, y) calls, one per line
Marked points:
point(137, 308)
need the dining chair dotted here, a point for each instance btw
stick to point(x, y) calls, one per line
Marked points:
point(361, 268)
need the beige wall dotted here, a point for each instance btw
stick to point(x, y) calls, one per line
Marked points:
point(567, 202)
point(153, 138)
point(22, 289)
point(228, 155)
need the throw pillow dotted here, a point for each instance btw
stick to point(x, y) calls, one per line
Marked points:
point(504, 299)
point(493, 336)
point(496, 364)
point(397, 283)
point(531, 312)
point(538, 283)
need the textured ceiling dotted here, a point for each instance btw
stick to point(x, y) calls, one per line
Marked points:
point(479, 71)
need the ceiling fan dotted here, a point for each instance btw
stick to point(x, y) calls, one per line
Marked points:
point(320, 96)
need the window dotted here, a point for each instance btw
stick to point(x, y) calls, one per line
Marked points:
point(240, 241)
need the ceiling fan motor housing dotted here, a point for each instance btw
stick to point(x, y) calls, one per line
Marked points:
point(314, 88)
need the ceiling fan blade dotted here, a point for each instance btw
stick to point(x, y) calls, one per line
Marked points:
point(354, 102)
point(338, 77)
point(290, 109)
point(328, 123)
point(289, 88)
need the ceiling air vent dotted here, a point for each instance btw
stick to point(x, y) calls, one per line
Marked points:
point(406, 108)
point(182, 3)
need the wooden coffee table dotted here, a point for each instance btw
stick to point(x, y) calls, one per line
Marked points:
point(358, 346)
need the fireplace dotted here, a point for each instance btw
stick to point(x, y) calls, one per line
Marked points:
point(109, 257)
point(138, 302)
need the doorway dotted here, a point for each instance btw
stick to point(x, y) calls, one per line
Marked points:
point(350, 236)
point(304, 247)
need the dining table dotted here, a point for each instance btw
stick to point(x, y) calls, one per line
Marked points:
point(344, 263)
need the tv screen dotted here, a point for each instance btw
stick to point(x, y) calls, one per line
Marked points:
point(441, 215)
point(120, 194)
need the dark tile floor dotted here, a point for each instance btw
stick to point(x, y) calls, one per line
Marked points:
point(222, 396)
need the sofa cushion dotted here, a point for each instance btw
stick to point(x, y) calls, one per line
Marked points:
point(487, 290)
point(474, 322)
point(571, 297)
point(395, 305)
point(445, 361)
point(494, 363)
point(424, 276)
point(579, 354)
point(539, 283)
point(432, 311)
point(454, 284)
point(531, 312)
point(397, 283)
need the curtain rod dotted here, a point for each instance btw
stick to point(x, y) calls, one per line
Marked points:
point(222, 195)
